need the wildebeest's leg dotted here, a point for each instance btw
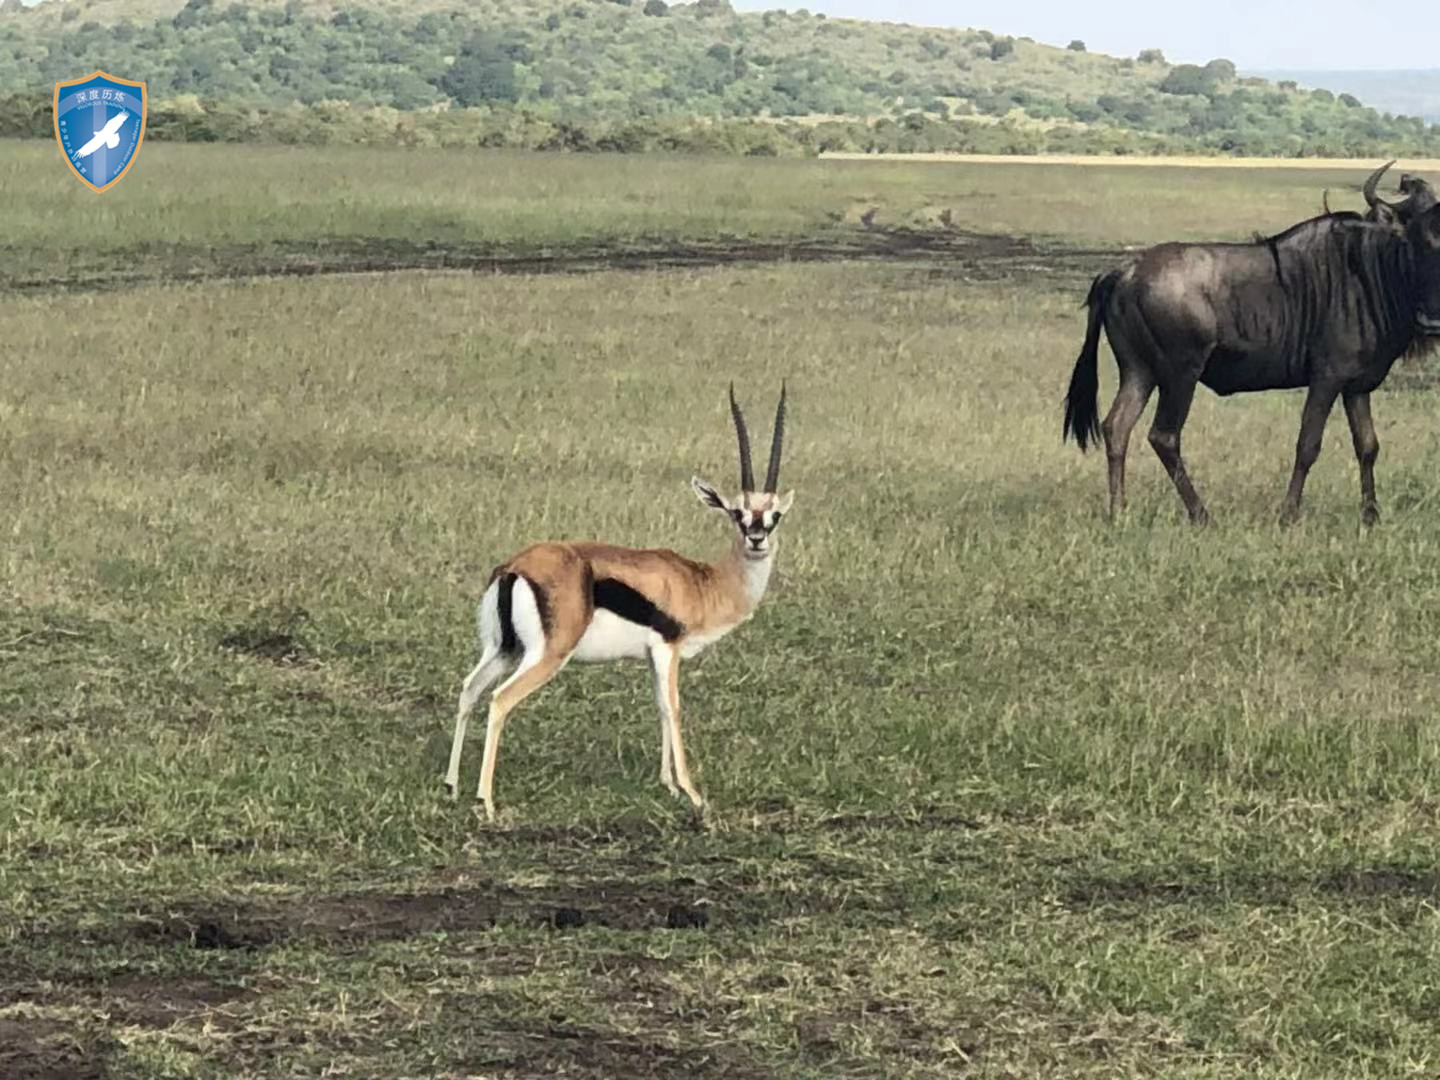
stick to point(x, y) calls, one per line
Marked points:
point(1367, 449)
point(1134, 392)
point(1319, 400)
point(1175, 399)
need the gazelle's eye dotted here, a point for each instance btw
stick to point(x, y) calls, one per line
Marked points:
point(737, 515)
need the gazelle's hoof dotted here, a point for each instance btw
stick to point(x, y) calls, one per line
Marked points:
point(450, 792)
point(701, 818)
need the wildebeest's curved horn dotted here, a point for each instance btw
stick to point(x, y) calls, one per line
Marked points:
point(747, 474)
point(1325, 201)
point(1373, 182)
point(777, 441)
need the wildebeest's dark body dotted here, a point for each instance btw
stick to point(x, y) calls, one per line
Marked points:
point(1329, 304)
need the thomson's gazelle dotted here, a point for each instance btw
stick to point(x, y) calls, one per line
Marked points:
point(586, 601)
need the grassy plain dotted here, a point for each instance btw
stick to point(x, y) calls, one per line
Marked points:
point(998, 790)
point(187, 212)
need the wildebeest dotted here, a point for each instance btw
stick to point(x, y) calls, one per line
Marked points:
point(1329, 304)
point(1419, 197)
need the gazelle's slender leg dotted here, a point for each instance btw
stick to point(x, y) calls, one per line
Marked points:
point(660, 662)
point(667, 757)
point(666, 660)
point(537, 668)
point(490, 667)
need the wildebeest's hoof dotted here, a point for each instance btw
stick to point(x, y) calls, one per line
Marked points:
point(1370, 515)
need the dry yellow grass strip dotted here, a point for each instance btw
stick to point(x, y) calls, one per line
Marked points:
point(1405, 164)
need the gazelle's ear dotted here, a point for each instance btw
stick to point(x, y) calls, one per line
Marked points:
point(782, 506)
point(708, 495)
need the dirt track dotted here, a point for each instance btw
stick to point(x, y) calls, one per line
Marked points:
point(976, 256)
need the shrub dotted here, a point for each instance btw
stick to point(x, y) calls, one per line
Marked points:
point(1187, 79)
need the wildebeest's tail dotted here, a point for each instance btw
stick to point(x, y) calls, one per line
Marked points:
point(1082, 405)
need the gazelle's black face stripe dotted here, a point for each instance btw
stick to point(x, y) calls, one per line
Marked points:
point(756, 525)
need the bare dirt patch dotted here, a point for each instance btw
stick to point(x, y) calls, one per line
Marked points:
point(367, 917)
point(32, 1049)
point(148, 1000)
point(565, 1050)
point(894, 1023)
point(271, 635)
point(158, 1001)
point(928, 821)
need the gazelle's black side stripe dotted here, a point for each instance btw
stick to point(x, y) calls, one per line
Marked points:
point(619, 598)
point(505, 601)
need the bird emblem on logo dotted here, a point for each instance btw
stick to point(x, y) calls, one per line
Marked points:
point(106, 136)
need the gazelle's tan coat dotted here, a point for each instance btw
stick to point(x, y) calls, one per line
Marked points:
point(557, 601)
point(702, 597)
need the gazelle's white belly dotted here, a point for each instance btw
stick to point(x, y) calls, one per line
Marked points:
point(691, 644)
point(609, 637)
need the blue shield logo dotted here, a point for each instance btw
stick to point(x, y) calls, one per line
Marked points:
point(100, 124)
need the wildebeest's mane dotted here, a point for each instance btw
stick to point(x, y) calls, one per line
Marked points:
point(1301, 231)
point(1374, 259)
point(1304, 229)
point(1352, 241)
point(1338, 217)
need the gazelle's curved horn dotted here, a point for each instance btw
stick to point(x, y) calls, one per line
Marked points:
point(777, 442)
point(742, 436)
point(1373, 182)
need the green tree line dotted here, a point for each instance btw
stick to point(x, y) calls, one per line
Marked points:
point(612, 74)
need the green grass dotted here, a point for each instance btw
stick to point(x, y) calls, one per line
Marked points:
point(193, 211)
point(997, 789)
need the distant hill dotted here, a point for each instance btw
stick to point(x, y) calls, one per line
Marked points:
point(635, 74)
point(1411, 93)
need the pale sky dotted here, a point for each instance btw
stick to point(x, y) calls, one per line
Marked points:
point(1255, 34)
